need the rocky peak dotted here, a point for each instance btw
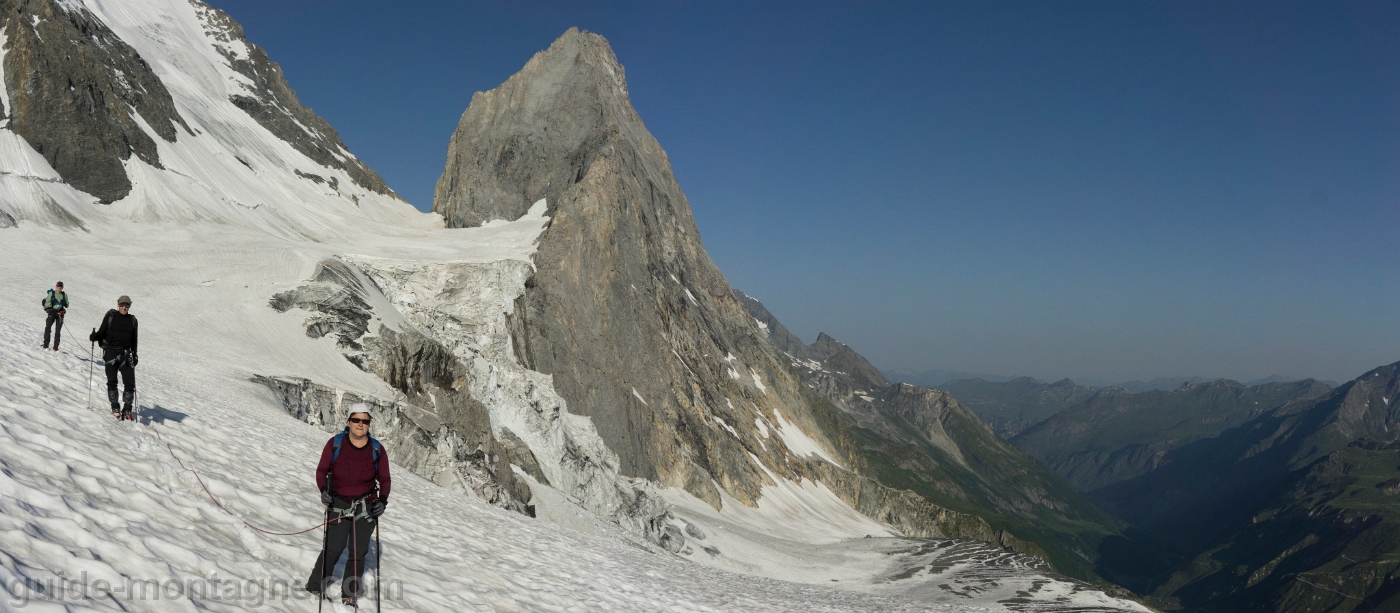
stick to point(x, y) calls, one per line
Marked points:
point(838, 357)
point(538, 133)
point(82, 97)
point(638, 328)
point(1367, 406)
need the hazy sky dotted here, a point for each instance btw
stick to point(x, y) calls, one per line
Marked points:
point(1117, 190)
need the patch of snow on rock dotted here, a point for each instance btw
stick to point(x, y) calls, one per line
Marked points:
point(758, 382)
point(798, 441)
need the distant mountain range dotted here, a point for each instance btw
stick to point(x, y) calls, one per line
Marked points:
point(1012, 406)
point(1272, 497)
point(923, 440)
point(940, 378)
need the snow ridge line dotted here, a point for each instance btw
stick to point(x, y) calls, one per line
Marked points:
point(171, 449)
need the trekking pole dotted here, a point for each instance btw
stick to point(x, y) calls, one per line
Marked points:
point(358, 586)
point(378, 561)
point(325, 546)
point(92, 359)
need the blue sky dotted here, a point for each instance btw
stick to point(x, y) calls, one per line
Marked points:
point(1113, 190)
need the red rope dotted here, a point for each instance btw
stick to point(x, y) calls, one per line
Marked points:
point(216, 500)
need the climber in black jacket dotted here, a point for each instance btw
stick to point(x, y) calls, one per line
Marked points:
point(118, 339)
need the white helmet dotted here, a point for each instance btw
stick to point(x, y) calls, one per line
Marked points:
point(359, 407)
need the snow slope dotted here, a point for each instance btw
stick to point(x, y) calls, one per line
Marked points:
point(90, 499)
point(231, 170)
point(82, 492)
point(101, 503)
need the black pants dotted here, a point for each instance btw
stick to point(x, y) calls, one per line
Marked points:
point(55, 322)
point(119, 361)
point(338, 536)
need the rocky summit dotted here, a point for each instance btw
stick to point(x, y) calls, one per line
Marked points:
point(627, 312)
point(637, 327)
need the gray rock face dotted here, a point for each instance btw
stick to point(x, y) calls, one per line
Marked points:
point(276, 107)
point(637, 326)
point(540, 133)
point(87, 101)
point(77, 89)
point(842, 359)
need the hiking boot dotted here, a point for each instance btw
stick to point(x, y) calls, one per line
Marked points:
point(127, 416)
point(44, 346)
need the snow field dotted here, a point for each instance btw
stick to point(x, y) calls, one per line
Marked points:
point(94, 500)
point(82, 492)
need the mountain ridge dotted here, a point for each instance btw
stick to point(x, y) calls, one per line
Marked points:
point(171, 117)
point(926, 441)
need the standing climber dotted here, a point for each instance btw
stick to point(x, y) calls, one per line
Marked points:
point(118, 339)
point(353, 477)
point(55, 304)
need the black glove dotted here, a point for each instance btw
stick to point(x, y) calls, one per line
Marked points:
point(135, 360)
point(376, 507)
point(92, 338)
point(327, 498)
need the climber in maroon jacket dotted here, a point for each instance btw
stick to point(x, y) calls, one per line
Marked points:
point(353, 477)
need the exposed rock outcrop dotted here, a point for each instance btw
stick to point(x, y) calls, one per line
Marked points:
point(638, 328)
point(431, 379)
point(81, 96)
point(437, 333)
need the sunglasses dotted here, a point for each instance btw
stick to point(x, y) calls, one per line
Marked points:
point(356, 420)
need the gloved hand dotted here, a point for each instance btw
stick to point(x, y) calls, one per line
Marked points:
point(92, 338)
point(135, 360)
point(376, 507)
point(327, 498)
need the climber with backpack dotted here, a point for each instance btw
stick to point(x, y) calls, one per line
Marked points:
point(117, 337)
point(353, 477)
point(55, 303)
